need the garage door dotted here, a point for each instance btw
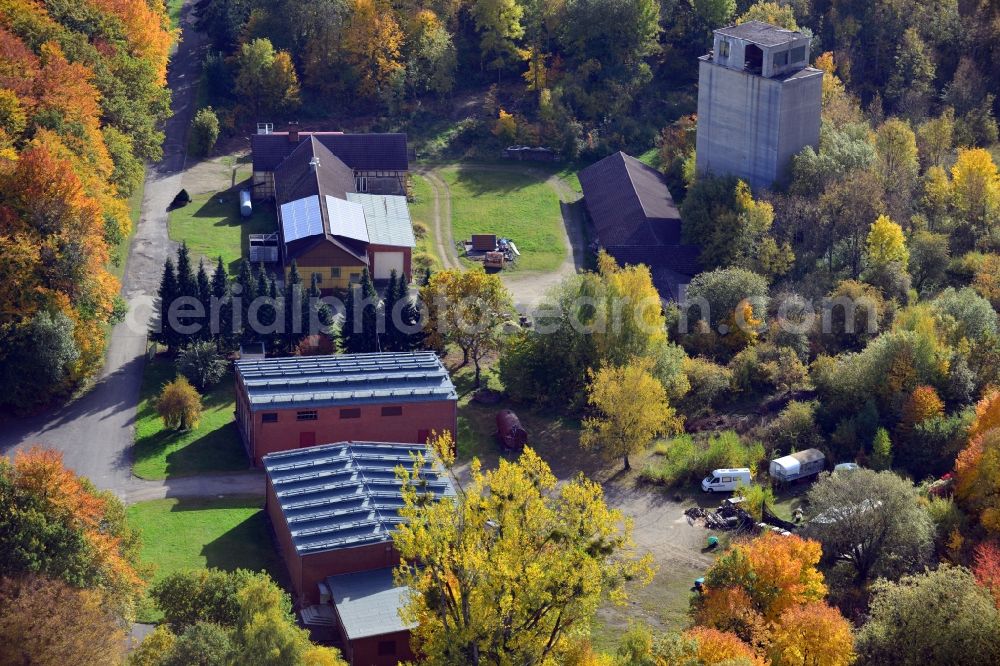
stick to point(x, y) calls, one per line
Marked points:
point(386, 262)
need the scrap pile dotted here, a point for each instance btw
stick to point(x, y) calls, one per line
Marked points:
point(729, 516)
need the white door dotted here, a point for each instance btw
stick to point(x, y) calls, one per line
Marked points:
point(386, 262)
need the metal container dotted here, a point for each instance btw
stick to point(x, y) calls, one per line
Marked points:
point(510, 434)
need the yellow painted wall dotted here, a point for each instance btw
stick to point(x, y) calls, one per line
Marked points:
point(328, 282)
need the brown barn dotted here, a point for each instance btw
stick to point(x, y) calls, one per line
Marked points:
point(289, 403)
point(333, 509)
point(331, 230)
point(636, 221)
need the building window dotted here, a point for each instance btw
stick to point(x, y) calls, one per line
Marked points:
point(781, 59)
point(386, 648)
point(392, 411)
point(798, 54)
point(310, 415)
point(355, 277)
point(318, 277)
point(335, 271)
point(723, 49)
point(350, 413)
point(269, 417)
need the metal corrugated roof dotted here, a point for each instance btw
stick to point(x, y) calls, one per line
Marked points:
point(345, 494)
point(760, 33)
point(345, 379)
point(387, 217)
point(368, 603)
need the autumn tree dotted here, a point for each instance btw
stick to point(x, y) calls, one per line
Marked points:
point(774, 13)
point(977, 191)
point(870, 521)
point(266, 78)
point(977, 468)
point(48, 622)
point(55, 525)
point(938, 617)
point(812, 634)
point(242, 615)
point(514, 568)
point(467, 309)
point(630, 410)
point(179, 405)
point(897, 163)
point(372, 43)
point(718, 647)
point(500, 28)
point(881, 458)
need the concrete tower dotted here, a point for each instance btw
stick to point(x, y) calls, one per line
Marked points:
point(758, 103)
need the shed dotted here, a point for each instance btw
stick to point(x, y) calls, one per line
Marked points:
point(367, 605)
point(801, 463)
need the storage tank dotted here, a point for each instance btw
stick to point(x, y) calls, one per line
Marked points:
point(510, 434)
point(246, 208)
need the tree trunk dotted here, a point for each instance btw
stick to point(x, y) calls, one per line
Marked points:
point(478, 374)
point(628, 465)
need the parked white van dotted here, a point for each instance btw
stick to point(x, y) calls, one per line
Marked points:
point(726, 480)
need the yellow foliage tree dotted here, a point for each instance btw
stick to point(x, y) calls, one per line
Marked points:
point(976, 187)
point(633, 322)
point(179, 405)
point(631, 410)
point(719, 647)
point(780, 15)
point(812, 634)
point(886, 243)
point(505, 126)
point(373, 41)
point(513, 569)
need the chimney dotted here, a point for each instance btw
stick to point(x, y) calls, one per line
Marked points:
point(314, 164)
point(293, 132)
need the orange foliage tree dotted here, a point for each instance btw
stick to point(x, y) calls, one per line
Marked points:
point(977, 468)
point(923, 404)
point(812, 634)
point(716, 647)
point(56, 524)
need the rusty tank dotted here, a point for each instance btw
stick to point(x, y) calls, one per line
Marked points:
point(511, 435)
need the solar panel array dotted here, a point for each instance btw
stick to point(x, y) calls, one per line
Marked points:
point(301, 218)
point(345, 494)
point(341, 379)
point(347, 219)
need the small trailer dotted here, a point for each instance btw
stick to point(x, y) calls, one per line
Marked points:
point(493, 260)
point(801, 465)
point(510, 434)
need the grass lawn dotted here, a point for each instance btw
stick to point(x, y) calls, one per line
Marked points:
point(214, 446)
point(422, 210)
point(212, 226)
point(510, 203)
point(179, 534)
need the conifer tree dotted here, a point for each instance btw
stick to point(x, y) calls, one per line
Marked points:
point(350, 324)
point(167, 292)
point(371, 336)
point(205, 297)
point(185, 277)
point(224, 334)
point(392, 339)
point(293, 308)
point(248, 291)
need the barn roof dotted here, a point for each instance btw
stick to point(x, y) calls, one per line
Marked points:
point(387, 218)
point(345, 494)
point(628, 201)
point(345, 379)
point(368, 603)
point(360, 152)
point(760, 33)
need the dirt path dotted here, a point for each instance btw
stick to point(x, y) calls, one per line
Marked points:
point(444, 240)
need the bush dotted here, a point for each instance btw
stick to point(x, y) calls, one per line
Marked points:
point(687, 461)
point(204, 131)
point(179, 405)
point(202, 364)
point(794, 429)
point(709, 383)
point(422, 261)
point(420, 230)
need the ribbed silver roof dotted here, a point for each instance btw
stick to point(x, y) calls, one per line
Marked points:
point(345, 379)
point(344, 494)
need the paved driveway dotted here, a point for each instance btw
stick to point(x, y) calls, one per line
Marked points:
point(94, 432)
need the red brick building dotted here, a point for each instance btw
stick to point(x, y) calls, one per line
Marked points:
point(289, 403)
point(333, 508)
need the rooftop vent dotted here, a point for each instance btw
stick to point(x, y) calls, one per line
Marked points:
point(314, 163)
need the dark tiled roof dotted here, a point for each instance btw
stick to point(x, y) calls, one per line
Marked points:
point(669, 265)
point(629, 202)
point(360, 152)
point(758, 32)
point(345, 379)
point(345, 494)
point(294, 178)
